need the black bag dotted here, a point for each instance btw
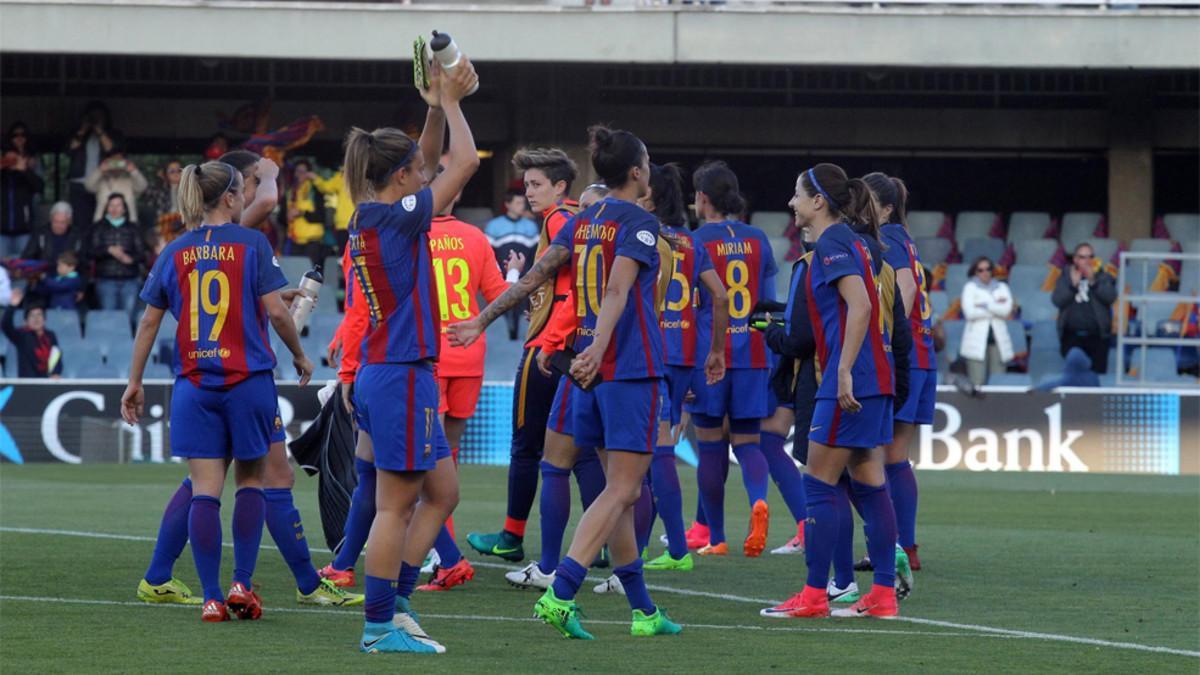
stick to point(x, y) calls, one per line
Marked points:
point(326, 449)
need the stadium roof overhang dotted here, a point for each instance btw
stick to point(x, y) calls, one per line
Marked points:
point(947, 35)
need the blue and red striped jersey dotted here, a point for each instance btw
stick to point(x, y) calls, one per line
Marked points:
point(595, 237)
point(212, 280)
point(389, 248)
point(742, 257)
point(902, 254)
point(840, 253)
point(678, 319)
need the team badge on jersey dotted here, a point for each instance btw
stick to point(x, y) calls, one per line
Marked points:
point(409, 203)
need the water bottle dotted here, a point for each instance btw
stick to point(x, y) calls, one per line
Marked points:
point(303, 304)
point(445, 50)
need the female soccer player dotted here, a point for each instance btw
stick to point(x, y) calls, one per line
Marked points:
point(918, 407)
point(853, 410)
point(283, 519)
point(395, 395)
point(742, 258)
point(221, 282)
point(612, 248)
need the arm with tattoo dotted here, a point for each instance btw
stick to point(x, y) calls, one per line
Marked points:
point(465, 333)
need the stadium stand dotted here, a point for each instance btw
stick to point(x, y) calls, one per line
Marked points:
point(477, 216)
point(934, 250)
point(772, 222)
point(989, 247)
point(922, 224)
point(1027, 225)
point(973, 225)
point(1079, 226)
point(1034, 251)
point(1183, 226)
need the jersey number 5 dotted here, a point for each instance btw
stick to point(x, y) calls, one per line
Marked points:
point(201, 288)
point(677, 277)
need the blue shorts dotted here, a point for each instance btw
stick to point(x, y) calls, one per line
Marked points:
point(868, 428)
point(396, 404)
point(560, 410)
point(741, 394)
point(620, 415)
point(922, 396)
point(278, 432)
point(234, 423)
point(680, 379)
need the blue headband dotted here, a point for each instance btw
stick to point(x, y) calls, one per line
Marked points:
point(412, 149)
point(813, 178)
point(232, 176)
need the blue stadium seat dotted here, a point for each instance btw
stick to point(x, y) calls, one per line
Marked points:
point(956, 278)
point(1016, 333)
point(324, 325)
point(773, 223)
point(158, 371)
point(1027, 225)
point(1150, 246)
point(321, 374)
point(10, 359)
point(107, 324)
point(1108, 379)
point(925, 224)
point(782, 282)
point(94, 370)
point(327, 300)
point(1043, 336)
point(1025, 280)
point(1160, 364)
point(779, 250)
point(1078, 226)
point(933, 250)
point(331, 272)
point(294, 267)
point(79, 355)
point(1139, 274)
point(1189, 277)
point(1183, 226)
point(167, 328)
point(1038, 307)
point(1045, 363)
point(1009, 380)
point(991, 247)
point(1191, 246)
point(1104, 249)
point(1151, 313)
point(939, 301)
point(954, 333)
point(1034, 251)
point(64, 323)
point(973, 225)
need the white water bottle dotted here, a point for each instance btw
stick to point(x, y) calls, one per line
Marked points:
point(445, 50)
point(303, 304)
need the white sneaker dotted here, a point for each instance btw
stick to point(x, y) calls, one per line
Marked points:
point(530, 576)
point(848, 594)
point(610, 585)
point(431, 562)
point(406, 622)
point(793, 547)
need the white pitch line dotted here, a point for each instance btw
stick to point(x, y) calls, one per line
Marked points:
point(986, 630)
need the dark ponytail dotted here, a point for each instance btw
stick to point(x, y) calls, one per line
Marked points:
point(850, 199)
point(371, 159)
point(720, 184)
point(666, 189)
point(614, 153)
point(890, 191)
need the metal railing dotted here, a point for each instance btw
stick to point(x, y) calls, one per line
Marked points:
point(1148, 334)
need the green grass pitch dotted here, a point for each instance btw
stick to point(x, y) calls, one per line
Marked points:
point(1023, 573)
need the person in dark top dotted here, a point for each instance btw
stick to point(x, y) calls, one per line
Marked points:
point(85, 150)
point(56, 237)
point(19, 185)
point(1084, 296)
point(64, 289)
point(118, 250)
point(37, 348)
point(1076, 373)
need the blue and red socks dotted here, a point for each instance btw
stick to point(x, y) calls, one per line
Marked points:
point(283, 522)
point(380, 603)
point(710, 475)
point(522, 488)
point(589, 475)
point(668, 498)
point(843, 550)
point(204, 533)
point(447, 549)
point(785, 473)
point(249, 511)
point(634, 583)
point(172, 535)
point(879, 522)
point(568, 577)
point(358, 521)
point(643, 515)
point(903, 485)
point(821, 530)
point(556, 511)
point(754, 470)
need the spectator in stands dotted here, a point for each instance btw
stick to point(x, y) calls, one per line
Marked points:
point(1076, 373)
point(511, 232)
point(20, 184)
point(56, 237)
point(118, 251)
point(86, 150)
point(334, 189)
point(986, 304)
point(1084, 296)
point(306, 215)
point(116, 175)
point(64, 288)
point(37, 348)
point(162, 198)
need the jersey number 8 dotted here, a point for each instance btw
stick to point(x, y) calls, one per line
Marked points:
point(737, 277)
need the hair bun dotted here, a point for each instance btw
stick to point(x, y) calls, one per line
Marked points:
point(602, 136)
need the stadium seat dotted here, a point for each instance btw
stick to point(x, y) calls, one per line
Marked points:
point(954, 333)
point(167, 328)
point(1189, 277)
point(10, 359)
point(91, 370)
point(1103, 249)
point(934, 250)
point(989, 247)
point(1150, 313)
point(1045, 363)
point(117, 354)
point(294, 267)
point(1027, 225)
point(779, 249)
point(1043, 336)
point(1108, 379)
point(772, 222)
point(1150, 246)
point(1078, 226)
point(1009, 380)
point(477, 216)
point(1160, 364)
point(76, 355)
point(1016, 333)
point(782, 282)
point(107, 324)
point(64, 323)
point(1139, 274)
point(973, 225)
point(158, 371)
point(1183, 226)
point(321, 374)
point(923, 224)
point(327, 300)
point(1191, 246)
point(331, 272)
point(956, 278)
point(1025, 280)
point(323, 326)
point(1038, 307)
point(939, 302)
point(1034, 251)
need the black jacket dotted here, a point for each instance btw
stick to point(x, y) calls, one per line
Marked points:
point(44, 245)
point(1102, 293)
point(17, 189)
point(128, 237)
point(33, 351)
